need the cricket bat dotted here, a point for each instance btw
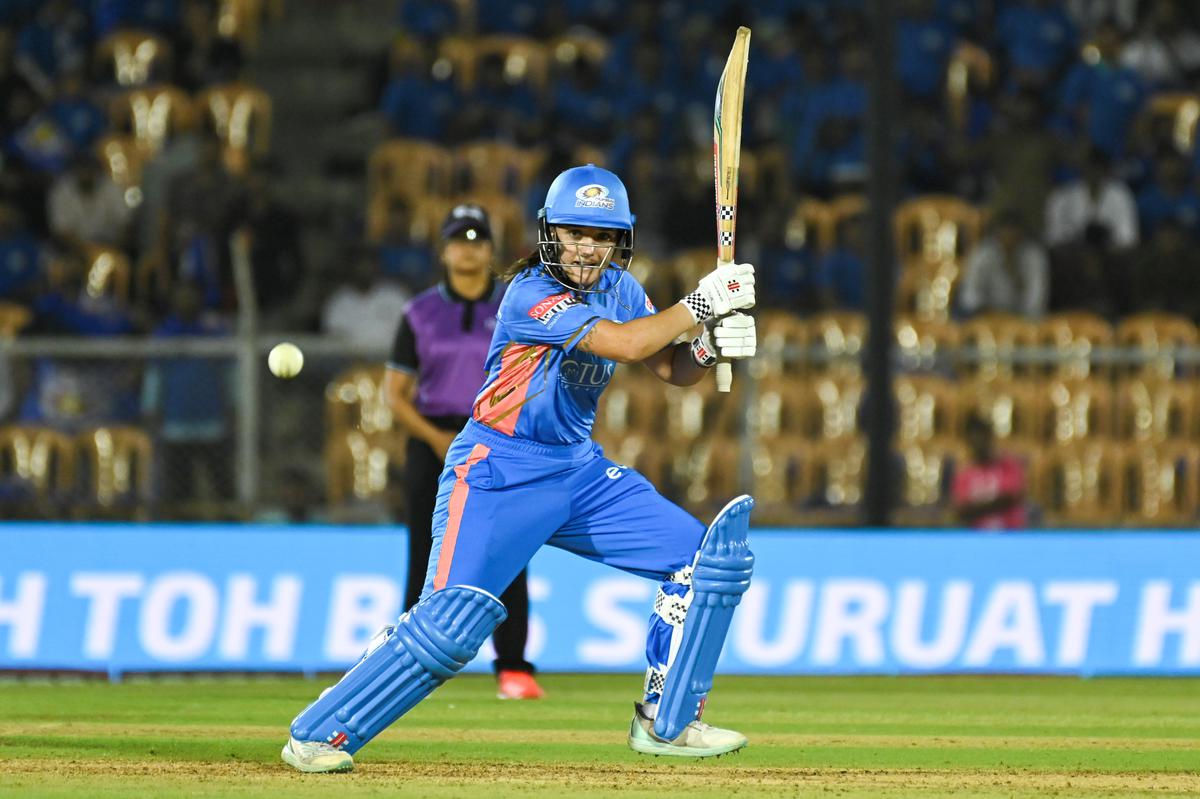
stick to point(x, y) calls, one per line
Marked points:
point(727, 147)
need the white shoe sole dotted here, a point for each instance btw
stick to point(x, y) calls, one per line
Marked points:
point(309, 768)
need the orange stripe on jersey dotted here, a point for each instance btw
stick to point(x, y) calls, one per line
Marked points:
point(499, 406)
point(458, 501)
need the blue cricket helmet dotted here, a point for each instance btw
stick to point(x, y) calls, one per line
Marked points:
point(588, 195)
point(585, 195)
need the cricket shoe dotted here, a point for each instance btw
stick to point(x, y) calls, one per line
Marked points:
point(697, 739)
point(315, 757)
point(517, 685)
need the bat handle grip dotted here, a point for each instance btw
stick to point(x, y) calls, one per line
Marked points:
point(724, 375)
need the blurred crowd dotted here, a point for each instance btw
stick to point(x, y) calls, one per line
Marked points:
point(137, 165)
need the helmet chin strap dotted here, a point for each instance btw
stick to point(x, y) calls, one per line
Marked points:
point(550, 252)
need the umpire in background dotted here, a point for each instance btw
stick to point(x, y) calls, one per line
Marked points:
point(440, 349)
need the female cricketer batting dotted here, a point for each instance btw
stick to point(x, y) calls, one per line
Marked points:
point(524, 472)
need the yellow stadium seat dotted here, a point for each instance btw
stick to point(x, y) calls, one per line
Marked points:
point(152, 114)
point(1157, 337)
point(969, 64)
point(1080, 484)
point(1012, 407)
point(1162, 481)
point(409, 168)
point(934, 229)
point(1152, 410)
point(1077, 409)
point(991, 341)
point(241, 116)
point(119, 462)
point(927, 408)
point(782, 337)
point(925, 345)
point(778, 408)
point(778, 473)
point(135, 56)
point(497, 168)
point(832, 407)
point(13, 318)
point(40, 459)
point(1180, 110)
point(837, 338)
point(1075, 335)
point(928, 466)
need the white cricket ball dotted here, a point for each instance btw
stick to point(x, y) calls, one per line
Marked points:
point(285, 360)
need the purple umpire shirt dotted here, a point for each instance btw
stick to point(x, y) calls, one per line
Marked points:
point(443, 340)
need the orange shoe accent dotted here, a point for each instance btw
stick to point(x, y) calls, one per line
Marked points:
point(517, 685)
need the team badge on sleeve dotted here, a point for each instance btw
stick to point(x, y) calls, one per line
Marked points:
point(549, 308)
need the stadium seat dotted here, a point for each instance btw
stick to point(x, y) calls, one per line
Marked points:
point(241, 116)
point(37, 468)
point(1180, 110)
point(1077, 409)
point(356, 466)
point(925, 345)
point(1150, 410)
point(695, 411)
point(832, 407)
point(1162, 481)
point(935, 229)
point(632, 403)
point(122, 158)
point(118, 464)
point(811, 225)
point(927, 408)
point(990, 342)
point(834, 473)
point(1013, 407)
point(1157, 337)
point(691, 265)
point(525, 60)
point(708, 475)
point(1074, 336)
point(926, 291)
point(354, 400)
point(571, 47)
point(777, 408)
point(106, 272)
point(969, 64)
point(152, 114)
point(836, 339)
point(409, 168)
point(496, 168)
point(13, 318)
point(242, 19)
point(778, 489)
point(1080, 484)
point(134, 57)
point(928, 467)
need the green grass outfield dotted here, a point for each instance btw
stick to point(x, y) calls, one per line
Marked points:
point(893, 737)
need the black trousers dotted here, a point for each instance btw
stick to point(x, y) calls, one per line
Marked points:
point(422, 470)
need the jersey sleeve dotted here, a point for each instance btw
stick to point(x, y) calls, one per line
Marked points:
point(636, 298)
point(536, 313)
point(404, 348)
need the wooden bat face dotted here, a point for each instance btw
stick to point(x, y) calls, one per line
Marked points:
point(727, 141)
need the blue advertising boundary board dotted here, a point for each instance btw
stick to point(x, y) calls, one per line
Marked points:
point(120, 597)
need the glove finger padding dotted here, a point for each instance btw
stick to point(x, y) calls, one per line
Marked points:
point(735, 336)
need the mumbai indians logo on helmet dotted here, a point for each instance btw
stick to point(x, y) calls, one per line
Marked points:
point(593, 195)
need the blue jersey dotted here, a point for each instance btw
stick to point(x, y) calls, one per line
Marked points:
point(539, 386)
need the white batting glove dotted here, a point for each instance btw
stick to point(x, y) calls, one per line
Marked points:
point(734, 336)
point(729, 287)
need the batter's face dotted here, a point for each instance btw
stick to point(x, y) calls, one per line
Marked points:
point(467, 257)
point(585, 251)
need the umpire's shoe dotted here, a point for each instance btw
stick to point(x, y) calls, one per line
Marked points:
point(315, 757)
point(697, 739)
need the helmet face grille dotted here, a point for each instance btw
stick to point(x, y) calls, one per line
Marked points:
point(619, 258)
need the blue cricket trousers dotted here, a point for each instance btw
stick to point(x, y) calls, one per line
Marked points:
point(500, 499)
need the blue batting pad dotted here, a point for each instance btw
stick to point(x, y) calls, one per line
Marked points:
point(429, 645)
point(720, 577)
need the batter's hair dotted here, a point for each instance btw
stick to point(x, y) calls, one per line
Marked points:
point(507, 273)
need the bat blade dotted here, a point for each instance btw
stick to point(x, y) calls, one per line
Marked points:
point(727, 149)
point(727, 141)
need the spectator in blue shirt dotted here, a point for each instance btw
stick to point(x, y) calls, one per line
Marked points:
point(1169, 196)
point(925, 42)
point(189, 399)
point(429, 19)
point(412, 86)
point(1038, 38)
point(400, 256)
point(21, 257)
point(74, 112)
point(54, 40)
point(842, 274)
point(1100, 97)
